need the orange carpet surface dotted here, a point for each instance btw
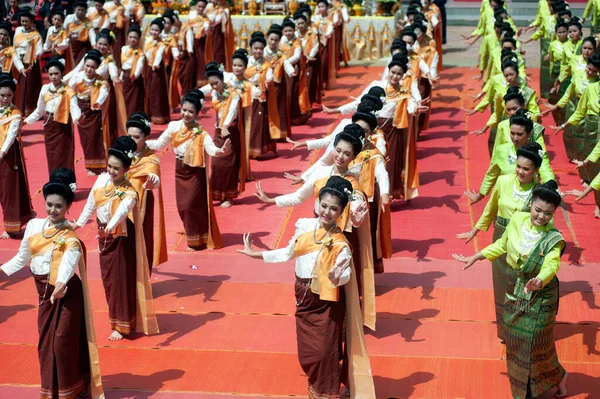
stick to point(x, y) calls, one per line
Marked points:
point(227, 321)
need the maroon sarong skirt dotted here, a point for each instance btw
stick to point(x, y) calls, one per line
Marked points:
point(218, 44)
point(187, 72)
point(157, 88)
point(200, 49)
point(260, 138)
point(225, 170)
point(79, 49)
point(396, 141)
point(191, 193)
point(149, 228)
point(14, 190)
point(92, 137)
point(60, 145)
point(28, 90)
point(133, 93)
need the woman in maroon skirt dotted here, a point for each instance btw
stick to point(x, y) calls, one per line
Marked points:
point(192, 145)
point(155, 76)
point(67, 350)
point(29, 48)
point(58, 103)
point(132, 66)
point(227, 171)
point(323, 23)
point(221, 37)
point(80, 30)
point(200, 26)
point(92, 92)
point(310, 49)
point(123, 262)
point(296, 85)
point(188, 56)
point(14, 190)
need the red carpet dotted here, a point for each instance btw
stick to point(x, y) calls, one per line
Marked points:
point(227, 327)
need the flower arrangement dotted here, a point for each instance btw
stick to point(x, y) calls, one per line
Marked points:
point(327, 243)
point(60, 242)
point(196, 131)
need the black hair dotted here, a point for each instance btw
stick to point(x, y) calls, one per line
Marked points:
point(288, 23)
point(8, 82)
point(26, 12)
point(214, 69)
point(547, 192)
point(514, 93)
point(158, 22)
point(401, 61)
point(575, 22)
point(123, 148)
point(106, 34)
point(135, 28)
point(409, 32)
point(241, 54)
point(140, 120)
point(62, 182)
point(276, 29)
point(324, 2)
point(419, 26)
point(510, 64)
point(58, 11)
point(299, 15)
point(353, 134)
point(170, 14)
point(377, 91)
point(7, 26)
point(194, 97)
point(499, 10)
point(95, 56)
point(522, 120)
point(590, 39)
point(364, 113)
point(532, 152)
point(595, 60)
point(561, 23)
point(397, 44)
point(258, 37)
point(338, 187)
point(511, 40)
point(80, 3)
point(374, 100)
point(55, 61)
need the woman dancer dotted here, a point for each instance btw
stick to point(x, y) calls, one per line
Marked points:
point(533, 248)
point(118, 22)
point(229, 170)
point(58, 42)
point(187, 62)
point(323, 265)
point(58, 103)
point(192, 144)
point(92, 92)
point(200, 26)
point(82, 35)
point(324, 25)
point(155, 76)
point(14, 188)
point(132, 66)
point(123, 261)
point(144, 175)
point(29, 48)
point(67, 349)
point(8, 57)
point(310, 49)
point(220, 43)
point(512, 193)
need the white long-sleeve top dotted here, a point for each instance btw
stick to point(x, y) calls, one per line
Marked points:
point(130, 10)
point(381, 176)
point(166, 138)
point(314, 50)
point(13, 130)
point(305, 264)
point(328, 31)
point(80, 77)
point(103, 212)
point(112, 15)
point(62, 46)
point(293, 60)
point(97, 23)
point(202, 27)
point(233, 110)
point(254, 78)
point(174, 49)
point(126, 66)
point(71, 18)
point(207, 89)
point(423, 68)
point(21, 48)
point(40, 265)
point(287, 66)
point(51, 106)
point(389, 105)
point(106, 70)
point(159, 53)
point(217, 18)
point(433, 68)
point(188, 43)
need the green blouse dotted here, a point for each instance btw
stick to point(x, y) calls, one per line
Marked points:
point(542, 12)
point(575, 90)
point(589, 104)
point(503, 134)
point(531, 103)
point(517, 242)
point(556, 51)
point(547, 29)
point(595, 5)
point(570, 50)
point(508, 197)
point(575, 66)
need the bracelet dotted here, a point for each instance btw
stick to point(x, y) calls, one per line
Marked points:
point(563, 126)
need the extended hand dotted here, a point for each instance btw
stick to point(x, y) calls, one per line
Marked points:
point(247, 245)
point(337, 271)
point(357, 216)
point(468, 261)
point(533, 285)
point(468, 236)
point(151, 182)
point(60, 289)
point(474, 196)
point(295, 179)
point(260, 194)
point(296, 144)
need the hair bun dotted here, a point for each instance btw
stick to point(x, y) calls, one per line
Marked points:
point(63, 176)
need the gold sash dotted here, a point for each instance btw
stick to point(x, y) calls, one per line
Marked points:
point(8, 53)
point(194, 154)
point(5, 119)
point(63, 110)
point(125, 190)
point(81, 28)
point(32, 38)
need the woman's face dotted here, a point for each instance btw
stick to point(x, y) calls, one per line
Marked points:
point(56, 208)
point(562, 34)
point(216, 84)
point(6, 96)
point(4, 35)
point(57, 21)
point(526, 170)
point(200, 7)
point(288, 32)
point(102, 45)
point(90, 67)
point(238, 67)
point(518, 135)
point(273, 41)
point(330, 210)
point(409, 41)
point(301, 25)
point(420, 35)
point(115, 168)
point(574, 33)
point(512, 106)
point(395, 75)
point(258, 50)
point(133, 39)
point(587, 50)
point(591, 71)
point(138, 136)
point(55, 75)
point(155, 32)
point(322, 9)
point(365, 127)
point(168, 25)
point(344, 154)
point(188, 112)
point(26, 23)
point(511, 76)
point(79, 12)
point(541, 212)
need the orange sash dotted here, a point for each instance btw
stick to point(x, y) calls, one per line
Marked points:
point(79, 30)
point(100, 17)
point(57, 38)
point(124, 190)
point(58, 245)
point(228, 32)
point(194, 154)
point(344, 219)
point(288, 50)
point(151, 47)
point(133, 54)
point(8, 53)
point(32, 38)
point(329, 250)
point(63, 110)
point(191, 23)
point(367, 159)
point(261, 70)
point(403, 95)
point(82, 89)
point(120, 10)
point(5, 119)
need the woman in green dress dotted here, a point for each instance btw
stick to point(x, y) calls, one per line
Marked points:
point(555, 54)
point(511, 194)
point(505, 156)
point(533, 248)
point(593, 8)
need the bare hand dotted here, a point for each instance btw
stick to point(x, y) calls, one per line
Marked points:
point(421, 109)
point(468, 236)
point(60, 289)
point(578, 164)
point(102, 233)
point(469, 112)
point(225, 132)
point(1, 155)
point(96, 107)
point(556, 128)
point(328, 110)
point(226, 148)
point(357, 216)
point(478, 77)
point(478, 132)
point(74, 226)
point(468, 261)
point(260, 194)
point(296, 144)
point(295, 179)
point(533, 285)
point(337, 271)
point(151, 182)
point(386, 199)
point(577, 193)
point(247, 245)
point(474, 196)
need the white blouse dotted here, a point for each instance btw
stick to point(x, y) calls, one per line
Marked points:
point(307, 191)
point(106, 70)
point(423, 68)
point(21, 48)
point(92, 14)
point(389, 105)
point(254, 78)
point(40, 265)
point(80, 77)
point(233, 110)
point(126, 66)
point(103, 212)
point(305, 264)
point(328, 140)
point(314, 50)
point(13, 130)
point(71, 18)
point(159, 53)
point(51, 106)
point(62, 46)
point(174, 49)
point(188, 45)
point(287, 67)
point(174, 128)
point(112, 15)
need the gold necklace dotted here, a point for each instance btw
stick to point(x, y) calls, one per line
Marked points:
point(110, 193)
point(58, 228)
